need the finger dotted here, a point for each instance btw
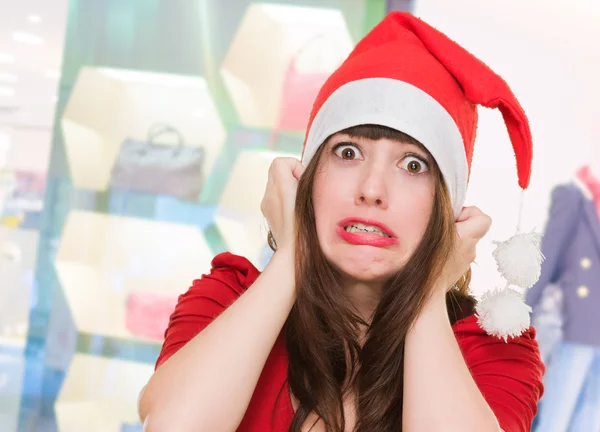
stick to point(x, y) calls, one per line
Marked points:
point(474, 227)
point(467, 212)
point(285, 165)
point(487, 223)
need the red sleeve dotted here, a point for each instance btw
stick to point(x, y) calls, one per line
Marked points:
point(508, 374)
point(208, 296)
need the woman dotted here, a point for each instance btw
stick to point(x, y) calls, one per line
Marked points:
point(361, 320)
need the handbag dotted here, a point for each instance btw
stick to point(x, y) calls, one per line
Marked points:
point(147, 166)
point(301, 86)
point(147, 314)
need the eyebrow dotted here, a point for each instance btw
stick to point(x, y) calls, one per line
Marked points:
point(420, 151)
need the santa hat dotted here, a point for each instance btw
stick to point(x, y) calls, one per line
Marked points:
point(410, 77)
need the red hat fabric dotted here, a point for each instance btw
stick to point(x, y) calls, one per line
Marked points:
point(408, 76)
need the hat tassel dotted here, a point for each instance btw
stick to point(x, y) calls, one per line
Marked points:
point(503, 312)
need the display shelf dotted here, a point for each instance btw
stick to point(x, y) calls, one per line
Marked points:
point(100, 394)
point(109, 106)
point(121, 276)
point(274, 88)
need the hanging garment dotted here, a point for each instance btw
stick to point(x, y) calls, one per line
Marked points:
point(571, 245)
point(571, 400)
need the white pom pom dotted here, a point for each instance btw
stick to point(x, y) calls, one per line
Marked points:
point(503, 313)
point(519, 259)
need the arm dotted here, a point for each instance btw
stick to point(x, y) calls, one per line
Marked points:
point(469, 380)
point(459, 378)
point(564, 209)
point(439, 392)
point(208, 383)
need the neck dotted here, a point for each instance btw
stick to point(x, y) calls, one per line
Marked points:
point(364, 298)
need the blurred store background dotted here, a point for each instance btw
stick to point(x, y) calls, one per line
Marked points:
point(135, 138)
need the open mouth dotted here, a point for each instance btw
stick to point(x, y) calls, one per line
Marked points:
point(361, 228)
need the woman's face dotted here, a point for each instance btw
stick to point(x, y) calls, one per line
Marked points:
point(372, 203)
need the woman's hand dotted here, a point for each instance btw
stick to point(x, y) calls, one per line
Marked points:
point(471, 225)
point(280, 196)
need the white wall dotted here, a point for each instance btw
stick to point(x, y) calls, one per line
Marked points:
point(547, 50)
point(28, 148)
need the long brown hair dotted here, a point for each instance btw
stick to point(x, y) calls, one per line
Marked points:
point(322, 329)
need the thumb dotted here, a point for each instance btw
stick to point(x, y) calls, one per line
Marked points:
point(297, 170)
point(476, 225)
point(466, 213)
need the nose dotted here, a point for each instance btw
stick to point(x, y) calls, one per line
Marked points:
point(372, 189)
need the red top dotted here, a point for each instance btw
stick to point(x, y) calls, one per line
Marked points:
point(509, 375)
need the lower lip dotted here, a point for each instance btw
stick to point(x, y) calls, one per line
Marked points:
point(367, 239)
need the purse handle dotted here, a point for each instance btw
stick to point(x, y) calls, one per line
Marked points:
point(158, 129)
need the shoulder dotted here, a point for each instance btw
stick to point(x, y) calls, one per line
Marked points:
point(483, 353)
point(232, 271)
point(230, 275)
point(236, 266)
point(568, 193)
point(508, 373)
point(472, 338)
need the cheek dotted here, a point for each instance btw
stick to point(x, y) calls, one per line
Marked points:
point(322, 198)
point(332, 196)
point(413, 211)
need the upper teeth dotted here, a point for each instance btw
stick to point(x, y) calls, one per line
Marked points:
point(365, 228)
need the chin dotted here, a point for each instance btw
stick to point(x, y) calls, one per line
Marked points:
point(368, 265)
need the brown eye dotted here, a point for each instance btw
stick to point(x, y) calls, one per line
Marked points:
point(414, 166)
point(347, 152)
